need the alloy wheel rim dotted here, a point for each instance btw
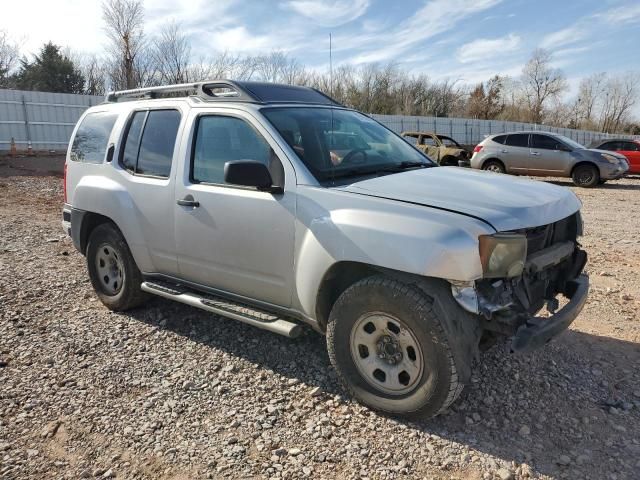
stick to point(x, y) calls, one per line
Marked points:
point(110, 269)
point(494, 168)
point(386, 353)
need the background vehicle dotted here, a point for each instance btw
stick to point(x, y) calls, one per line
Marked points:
point(546, 154)
point(629, 148)
point(230, 200)
point(444, 150)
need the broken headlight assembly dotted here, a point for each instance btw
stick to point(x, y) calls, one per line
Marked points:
point(503, 255)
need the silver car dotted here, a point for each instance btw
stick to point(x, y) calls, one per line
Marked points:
point(275, 206)
point(547, 154)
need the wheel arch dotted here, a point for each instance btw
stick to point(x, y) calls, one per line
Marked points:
point(341, 275)
point(83, 224)
point(583, 163)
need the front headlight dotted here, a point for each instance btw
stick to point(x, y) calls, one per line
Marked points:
point(610, 158)
point(502, 255)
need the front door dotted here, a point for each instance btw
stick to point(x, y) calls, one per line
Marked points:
point(549, 156)
point(235, 239)
point(631, 150)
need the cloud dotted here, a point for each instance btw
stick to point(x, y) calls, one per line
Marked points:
point(566, 36)
point(434, 18)
point(328, 13)
point(623, 14)
point(485, 48)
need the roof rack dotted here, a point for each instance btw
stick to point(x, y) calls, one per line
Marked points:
point(228, 90)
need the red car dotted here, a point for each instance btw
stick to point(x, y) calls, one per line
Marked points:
point(628, 148)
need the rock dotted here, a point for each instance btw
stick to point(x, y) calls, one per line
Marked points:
point(294, 452)
point(315, 392)
point(524, 431)
point(98, 471)
point(564, 460)
point(109, 474)
point(50, 429)
point(504, 474)
point(32, 452)
point(4, 446)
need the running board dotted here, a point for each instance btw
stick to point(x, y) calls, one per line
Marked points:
point(226, 308)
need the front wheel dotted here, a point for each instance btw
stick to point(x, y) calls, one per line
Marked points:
point(113, 271)
point(387, 341)
point(586, 176)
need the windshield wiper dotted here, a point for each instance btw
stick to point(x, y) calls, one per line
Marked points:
point(407, 164)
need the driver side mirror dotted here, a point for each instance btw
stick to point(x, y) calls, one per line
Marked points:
point(250, 173)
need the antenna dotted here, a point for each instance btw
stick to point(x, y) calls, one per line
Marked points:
point(330, 67)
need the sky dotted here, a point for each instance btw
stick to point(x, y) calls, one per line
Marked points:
point(465, 40)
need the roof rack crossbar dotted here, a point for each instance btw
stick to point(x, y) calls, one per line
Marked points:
point(204, 90)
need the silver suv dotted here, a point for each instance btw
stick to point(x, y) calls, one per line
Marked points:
point(548, 155)
point(275, 206)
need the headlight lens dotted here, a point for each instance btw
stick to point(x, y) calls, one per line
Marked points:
point(503, 255)
point(610, 158)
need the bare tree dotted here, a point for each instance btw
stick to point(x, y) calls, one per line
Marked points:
point(171, 52)
point(541, 83)
point(619, 96)
point(278, 67)
point(124, 21)
point(9, 54)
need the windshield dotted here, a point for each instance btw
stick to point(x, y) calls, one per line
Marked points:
point(335, 143)
point(568, 141)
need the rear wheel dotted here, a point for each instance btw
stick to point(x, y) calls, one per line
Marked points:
point(494, 166)
point(113, 272)
point(586, 176)
point(387, 341)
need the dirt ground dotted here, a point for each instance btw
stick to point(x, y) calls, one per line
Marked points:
point(171, 392)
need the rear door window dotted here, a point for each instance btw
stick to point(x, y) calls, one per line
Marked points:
point(151, 139)
point(90, 143)
point(518, 140)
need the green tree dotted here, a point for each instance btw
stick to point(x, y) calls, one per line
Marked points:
point(50, 71)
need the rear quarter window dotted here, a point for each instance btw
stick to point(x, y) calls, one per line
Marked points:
point(499, 139)
point(90, 142)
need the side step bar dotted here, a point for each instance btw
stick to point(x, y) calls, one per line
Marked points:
point(226, 308)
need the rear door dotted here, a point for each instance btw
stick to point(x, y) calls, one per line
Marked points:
point(548, 156)
point(147, 160)
point(515, 153)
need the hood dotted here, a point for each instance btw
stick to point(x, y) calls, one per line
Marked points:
point(619, 156)
point(505, 202)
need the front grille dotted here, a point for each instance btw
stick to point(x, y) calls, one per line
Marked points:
point(547, 235)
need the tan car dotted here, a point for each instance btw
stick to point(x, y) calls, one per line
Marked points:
point(440, 148)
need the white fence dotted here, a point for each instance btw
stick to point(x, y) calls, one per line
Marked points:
point(43, 119)
point(46, 121)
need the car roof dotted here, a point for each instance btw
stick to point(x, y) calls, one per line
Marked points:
point(229, 91)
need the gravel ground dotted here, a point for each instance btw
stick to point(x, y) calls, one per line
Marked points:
point(171, 392)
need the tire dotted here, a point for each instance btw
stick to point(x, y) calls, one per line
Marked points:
point(432, 383)
point(449, 161)
point(586, 176)
point(495, 166)
point(602, 182)
point(113, 272)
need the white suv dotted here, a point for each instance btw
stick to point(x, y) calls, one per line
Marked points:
point(275, 206)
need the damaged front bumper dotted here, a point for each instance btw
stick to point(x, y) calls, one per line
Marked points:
point(539, 330)
point(510, 306)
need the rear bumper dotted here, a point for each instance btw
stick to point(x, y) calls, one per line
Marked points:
point(539, 330)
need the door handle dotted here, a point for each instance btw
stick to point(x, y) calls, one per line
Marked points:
point(188, 201)
point(504, 151)
point(537, 154)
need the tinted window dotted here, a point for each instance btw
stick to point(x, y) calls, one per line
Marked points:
point(152, 152)
point(90, 143)
point(132, 144)
point(499, 139)
point(517, 140)
point(612, 146)
point(630, 147)
point(545, 142)
point(222, 139)
point(158, 142)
